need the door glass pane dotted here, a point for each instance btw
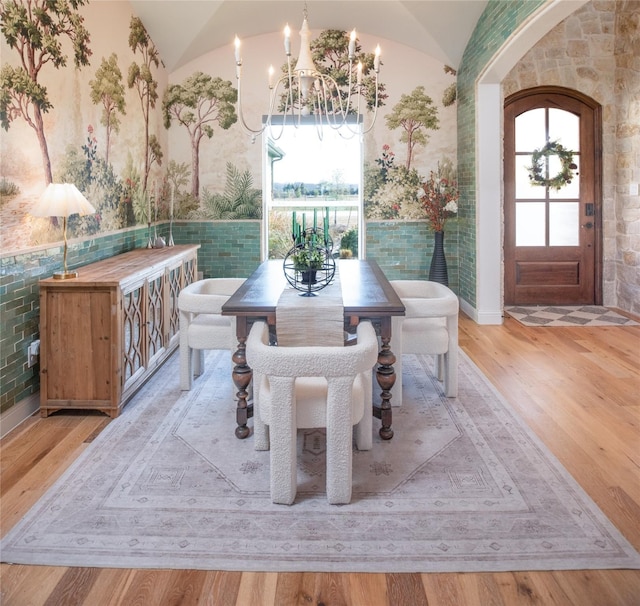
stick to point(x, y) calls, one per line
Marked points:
point(524, 188)
point(570, 190)
point(530, 223)
point(565, 128)
point(564, 224)
point(530, 130)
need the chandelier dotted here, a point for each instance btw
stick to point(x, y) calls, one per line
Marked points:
point(307, 95)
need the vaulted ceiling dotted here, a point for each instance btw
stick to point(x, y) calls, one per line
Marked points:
point(183, 30)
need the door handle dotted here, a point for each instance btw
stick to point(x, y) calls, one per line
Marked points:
point(588, 225)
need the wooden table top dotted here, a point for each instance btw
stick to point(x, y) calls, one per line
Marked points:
point(119, 269)
point(366, 292)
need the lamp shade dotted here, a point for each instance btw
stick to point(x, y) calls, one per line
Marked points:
point(61, 200)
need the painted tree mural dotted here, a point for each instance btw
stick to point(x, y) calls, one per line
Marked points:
point(415, 113)
point(240, 200)
point(196, 104)
point(35, 29)
point(107, 89)
point(451, 92)
point(141, 78)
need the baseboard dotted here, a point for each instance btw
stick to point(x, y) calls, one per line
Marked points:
point(19, 413)
point(481, 317)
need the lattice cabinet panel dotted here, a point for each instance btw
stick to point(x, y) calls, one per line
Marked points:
point(133, 334)
point(155, 316)
point(175, 278)
point(190, 271)
point(105, 332)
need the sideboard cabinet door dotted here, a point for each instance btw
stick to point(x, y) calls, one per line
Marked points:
point(134, 336)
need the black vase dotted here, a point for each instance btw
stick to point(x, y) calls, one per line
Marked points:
point(438, 269)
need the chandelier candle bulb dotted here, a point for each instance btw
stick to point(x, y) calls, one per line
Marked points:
point(352, 45)
point(236, 43)
point(271, 76)
point(359, 73)
point(376, 60)
point(287, 40)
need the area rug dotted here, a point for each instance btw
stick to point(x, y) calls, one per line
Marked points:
point(462, 486)
point(556, 315)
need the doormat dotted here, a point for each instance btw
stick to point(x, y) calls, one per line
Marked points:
point(560, 315)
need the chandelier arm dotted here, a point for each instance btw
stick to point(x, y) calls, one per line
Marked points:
point(317, 86)
point(290, 103)
point(274, 96)
point(375, 110)
point(253, 132)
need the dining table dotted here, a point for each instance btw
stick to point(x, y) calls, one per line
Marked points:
point(366, 295)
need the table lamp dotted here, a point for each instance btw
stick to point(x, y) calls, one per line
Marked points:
point(62, 200)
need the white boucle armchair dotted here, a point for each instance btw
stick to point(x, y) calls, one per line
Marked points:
point(429, 326)
point(201, 324)
point(308, 387)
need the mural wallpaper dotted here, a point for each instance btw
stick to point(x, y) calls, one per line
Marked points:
point(93, 118)
point(85, 99)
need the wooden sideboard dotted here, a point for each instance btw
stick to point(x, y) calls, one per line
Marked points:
point(105, 332)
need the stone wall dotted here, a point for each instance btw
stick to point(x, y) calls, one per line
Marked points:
point(597, 51)
point(627, 155)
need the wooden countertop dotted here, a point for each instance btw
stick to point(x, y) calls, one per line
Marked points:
point(132, 265)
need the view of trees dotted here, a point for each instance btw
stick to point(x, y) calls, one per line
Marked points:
point(326, 190)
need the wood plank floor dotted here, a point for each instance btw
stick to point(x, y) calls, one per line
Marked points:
point(577, 388)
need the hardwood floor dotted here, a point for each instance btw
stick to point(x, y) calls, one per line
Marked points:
point(577, 388)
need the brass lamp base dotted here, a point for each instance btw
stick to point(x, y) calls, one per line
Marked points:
point(65, 275)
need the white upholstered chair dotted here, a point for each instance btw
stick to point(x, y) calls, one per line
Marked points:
point(430, 326)
point(307, 387)
point(201, 325)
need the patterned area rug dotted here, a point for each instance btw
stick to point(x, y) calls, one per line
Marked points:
point(584, 315)
point(463, 486)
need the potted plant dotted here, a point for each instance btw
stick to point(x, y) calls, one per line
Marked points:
point(307, 260)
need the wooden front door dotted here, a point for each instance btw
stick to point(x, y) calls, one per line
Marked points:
point(552, 227)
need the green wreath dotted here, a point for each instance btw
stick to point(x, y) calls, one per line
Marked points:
point(538, 166)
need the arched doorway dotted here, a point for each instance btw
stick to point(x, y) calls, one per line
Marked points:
point(552, 231)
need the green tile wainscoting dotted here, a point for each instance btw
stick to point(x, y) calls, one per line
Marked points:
point(403, 249)
point(227, 249)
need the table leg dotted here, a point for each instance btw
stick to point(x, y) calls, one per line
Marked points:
point(386, 376)
point(241, 376)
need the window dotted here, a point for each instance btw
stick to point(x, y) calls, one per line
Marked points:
point(305, 174)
